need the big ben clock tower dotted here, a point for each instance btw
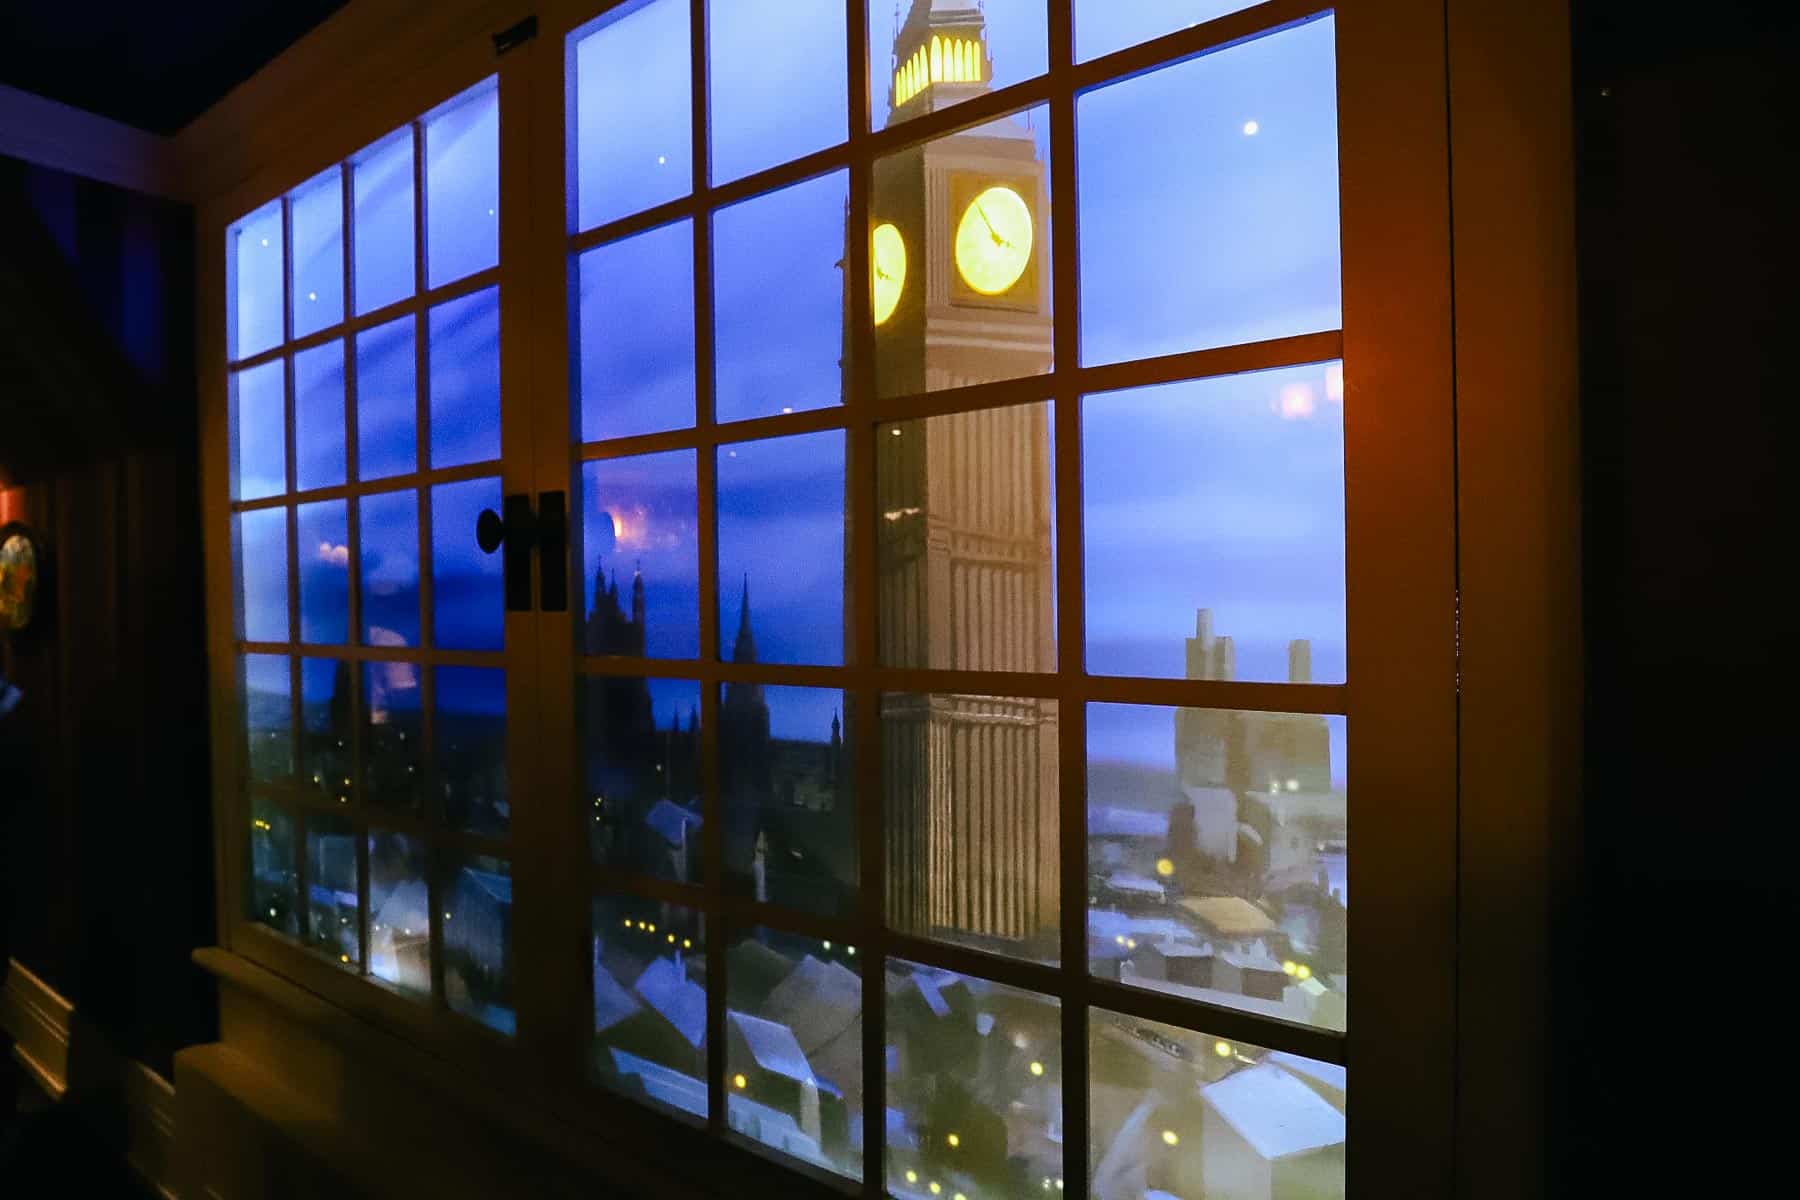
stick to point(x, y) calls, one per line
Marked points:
point(960, 263)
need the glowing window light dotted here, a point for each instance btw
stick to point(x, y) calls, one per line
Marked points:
point(954, 1141)
point(1169, 1138)
point(937, 59)
point(1037, 1068)
point(1222, 1049)
point(739, 1082)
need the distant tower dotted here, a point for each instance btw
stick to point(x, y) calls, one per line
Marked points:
point(966, 572)
point(746, 776)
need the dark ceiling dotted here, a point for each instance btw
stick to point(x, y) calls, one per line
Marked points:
point(156, 66)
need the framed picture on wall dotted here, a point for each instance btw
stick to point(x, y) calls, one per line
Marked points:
point(21, 574)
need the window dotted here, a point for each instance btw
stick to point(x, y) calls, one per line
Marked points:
point(939, 754)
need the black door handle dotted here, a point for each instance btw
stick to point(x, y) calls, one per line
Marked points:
point(517, 531)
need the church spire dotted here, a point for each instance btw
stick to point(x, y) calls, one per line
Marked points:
point(744, 651)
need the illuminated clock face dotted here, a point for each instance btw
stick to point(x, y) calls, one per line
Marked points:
point(888, 258)
point(993, 241)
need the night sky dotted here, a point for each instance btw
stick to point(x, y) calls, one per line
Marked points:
point(1208, 204)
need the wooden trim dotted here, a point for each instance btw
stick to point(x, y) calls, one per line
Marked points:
point(38, 1020)
point(1518, 529)
point(49, 134)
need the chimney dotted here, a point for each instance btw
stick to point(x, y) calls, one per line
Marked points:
point(1300, 661)
point(1224, 660)
point(1200, 646)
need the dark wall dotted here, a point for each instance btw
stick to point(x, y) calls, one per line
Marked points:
point(107, 858)
point(1679, 1076)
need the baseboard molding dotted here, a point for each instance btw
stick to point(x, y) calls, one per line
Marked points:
point(39, 1021)
point(44, 1026)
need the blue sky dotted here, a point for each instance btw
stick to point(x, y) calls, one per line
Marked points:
point(1208, 206)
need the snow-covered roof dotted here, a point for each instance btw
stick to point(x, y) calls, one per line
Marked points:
point(405, 907)
point(1273, 1111)
point(612, 1003)
point(1329, 1074)
point(818, 1001)
point(666, 988)
point(664, 1085)
point(495, 885)
point(1130, 881)
point(1233, 916)
point(773, 1046)
point(671, 821)
point(1113, 820)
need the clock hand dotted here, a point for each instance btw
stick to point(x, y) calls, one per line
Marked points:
point(992, 232)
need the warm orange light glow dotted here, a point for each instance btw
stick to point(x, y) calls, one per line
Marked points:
point(1222, 1049)
point(1288, 967)
point(1303, 972)
point(1165, 867)
point(1037, 1068)
point(954, 1141)
point(739, 1082)
point(1296, 402)
point(1170, 1138)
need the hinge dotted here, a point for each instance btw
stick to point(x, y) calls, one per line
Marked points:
point(514, 36)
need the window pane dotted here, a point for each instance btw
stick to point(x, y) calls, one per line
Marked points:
point(274, 882)
point(331, 886)
point(650, 1002)
point(926, 55)
point(1217, 857)
point(786, 780)
point(324, 533)
point(317, 208)
point(469, 745)
point(478, 942)
point(462, 185)
point(263, 574)
point(255, 247)
point(634, 344)
point(641, 513)
point(755, 125)
point(970, 797)
point(961, 257)
point(1178, 1113)
point(389, 531)
point(268, 717)
point(781, 540)
point(467, 589)
point(793, 1053)
point(631, 129)
point(387, 401)
point(778, 299)
point(642, 750)
point(465, 380)
point(259, 431)
point(319, 417)
point(1209, 200)
point(984, 598)
point(393, 736)
point(399, 912)
point(1213, 518)
point(974, 1085)
point(1103, 26)
point(382, 179)
point(326, 728)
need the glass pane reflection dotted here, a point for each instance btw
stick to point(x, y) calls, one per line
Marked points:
point(255, 247)
point(1103, 26)
point(323, 530)
point(1173, 1112)
point(273, 898)
point(462, 185)
point(465, 379)
point(319, 417)
point(389, 532)
point(478, 942)
point(1217, 857)
point(634, 341)
point(793, 1052)
point(641, 513)
point(781, 543)
point(263, 574)
point(983, 598)
point(1209, 200)
point(382, 182)
point(630, 130)
point(786, 782)
point(970, 798)
point(331, 884)
point(399, 911)
point(393, 736)
point(649, 963)
point(467, 588)
point(1213, 519)
point(268, 717)
point(754, 125)
point(317, 209)
point(259, 431)
point(642, 757)
point(780, 348)
point(469, 748)
point(974, 1086)
point(326, 731)
point(387, 401)
point(961, 240)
